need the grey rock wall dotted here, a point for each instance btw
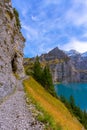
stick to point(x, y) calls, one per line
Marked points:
point(11, 49)
point(61, 66)
point(64, 72)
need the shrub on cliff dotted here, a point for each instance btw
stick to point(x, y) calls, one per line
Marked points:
point(17, 18)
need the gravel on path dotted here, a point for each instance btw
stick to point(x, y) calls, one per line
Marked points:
point(15, 115)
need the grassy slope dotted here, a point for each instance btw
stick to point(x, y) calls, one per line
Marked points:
point(52, 105)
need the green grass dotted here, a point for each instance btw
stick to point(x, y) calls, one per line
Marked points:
point(54, 111)
point(42, 116)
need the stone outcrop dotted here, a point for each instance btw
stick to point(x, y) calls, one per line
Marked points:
point(11, 49)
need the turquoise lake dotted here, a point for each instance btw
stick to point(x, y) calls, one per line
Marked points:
point(77, 90)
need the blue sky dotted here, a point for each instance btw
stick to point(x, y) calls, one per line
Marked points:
point(53, 23)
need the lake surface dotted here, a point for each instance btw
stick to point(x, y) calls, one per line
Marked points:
point(77, 90)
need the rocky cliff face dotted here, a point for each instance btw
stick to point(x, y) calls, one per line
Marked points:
point(11, 49)
point(64, 72)
point(61, 66)
point(79, 61)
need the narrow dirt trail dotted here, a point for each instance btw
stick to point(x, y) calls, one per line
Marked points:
point(16, 115)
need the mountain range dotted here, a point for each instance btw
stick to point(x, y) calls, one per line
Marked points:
point(66, 66)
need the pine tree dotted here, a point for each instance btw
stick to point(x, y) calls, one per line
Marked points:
point(43, 76)
point(37, 71)
point(72, 102)
point(47, 80)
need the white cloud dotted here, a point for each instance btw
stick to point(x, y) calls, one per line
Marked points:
point(24, 12)
point(34, 18)
point(84, 35)
point(76, 18)
point(31, 33)
point(76, 2)
point(77, 14)
point(75, 44)
point(44, 26)
point(42, 48)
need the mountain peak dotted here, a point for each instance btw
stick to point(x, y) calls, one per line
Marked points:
point(55, 53)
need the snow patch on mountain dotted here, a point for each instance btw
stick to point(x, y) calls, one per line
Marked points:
point(72, 53)
point(84, 54)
